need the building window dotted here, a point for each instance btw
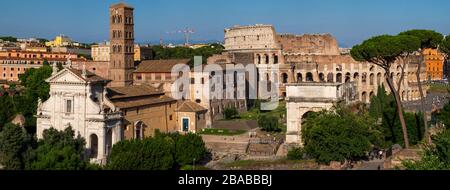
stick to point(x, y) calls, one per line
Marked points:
point(138, 76)
point(68, 106)
point(170, 117)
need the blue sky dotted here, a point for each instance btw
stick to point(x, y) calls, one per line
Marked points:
point(350, 21)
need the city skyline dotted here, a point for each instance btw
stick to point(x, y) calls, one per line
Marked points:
point(349, 21)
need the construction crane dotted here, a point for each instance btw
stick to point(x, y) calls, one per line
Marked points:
point(186, 32)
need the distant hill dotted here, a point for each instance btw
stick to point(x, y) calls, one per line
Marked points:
point(180, 41)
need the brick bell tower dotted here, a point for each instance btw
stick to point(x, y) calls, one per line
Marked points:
point(121, 34)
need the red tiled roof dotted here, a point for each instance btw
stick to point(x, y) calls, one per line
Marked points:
point(159, 66)
point(132, 91)
point(189, 106)
point(90, 77)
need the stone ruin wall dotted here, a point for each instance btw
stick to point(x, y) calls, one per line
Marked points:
point(250, 37)
point(309, 44)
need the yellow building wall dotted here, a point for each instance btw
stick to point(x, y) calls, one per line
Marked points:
point(159, 116)
point(434, 62)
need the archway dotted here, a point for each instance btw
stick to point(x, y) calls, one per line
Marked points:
point(321, 77)
point(371, 79)
point(379, 79)
point(275, 59)
point(347, 77)
point(330, 77)
point(299, 77)
point(309, 77)
point(364, 78)
point(284, 78)
point(307, 115)
point(364, 97)
point(356, 77)
point(339, 77)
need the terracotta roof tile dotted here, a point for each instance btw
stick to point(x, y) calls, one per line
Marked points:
point(142, 101)
point(132, 91)
point(188, 106)
point(90, 77)
point(159, 66)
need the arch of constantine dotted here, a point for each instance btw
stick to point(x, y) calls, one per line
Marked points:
point(303, 98)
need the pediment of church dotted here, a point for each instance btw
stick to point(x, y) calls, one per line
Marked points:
point(65, 76)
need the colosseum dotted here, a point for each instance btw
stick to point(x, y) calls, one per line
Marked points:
point(312, 58)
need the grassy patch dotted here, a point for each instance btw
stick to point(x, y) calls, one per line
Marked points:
point(190, 167)
point(254, 113)
point(439, 88)
point(223, 132)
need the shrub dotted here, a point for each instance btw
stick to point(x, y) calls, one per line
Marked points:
point(296, 154)
point(147, 154)
point(162, 152)
point(338, 136)
point(269, 123)
point(230, 113)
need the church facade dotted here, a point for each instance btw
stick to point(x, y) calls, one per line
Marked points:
point(78, 99)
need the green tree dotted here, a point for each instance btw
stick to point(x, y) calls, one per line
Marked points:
point(14, 143)
point(339, 135)
point(7, 110)
point(35, 87)
point(296, 154)
point(268, 123)
point(428, 39)
point(146, 154)
point(382, 109)
point(161, 152)
point(230, 113)
point(59, 150)
point(444, 115)
point(444, 47)
point(8, 38)
point(383, 51)
point(189, 149)
point(435, 157)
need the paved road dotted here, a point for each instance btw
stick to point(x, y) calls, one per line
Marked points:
point(437, 100)
point(371, 165)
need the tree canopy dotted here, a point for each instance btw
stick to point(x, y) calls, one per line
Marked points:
point(445, 45)
point(435, 157)
point(382, 108)
point(161, 152)
point(14, 143)
point(428, 38)
point(385, 49)
point(7, 110)
point(444, 115)
point(339, 135)
point(59, 150)
point(8, 38)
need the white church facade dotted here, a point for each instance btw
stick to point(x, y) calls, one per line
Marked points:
point(78, 99)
